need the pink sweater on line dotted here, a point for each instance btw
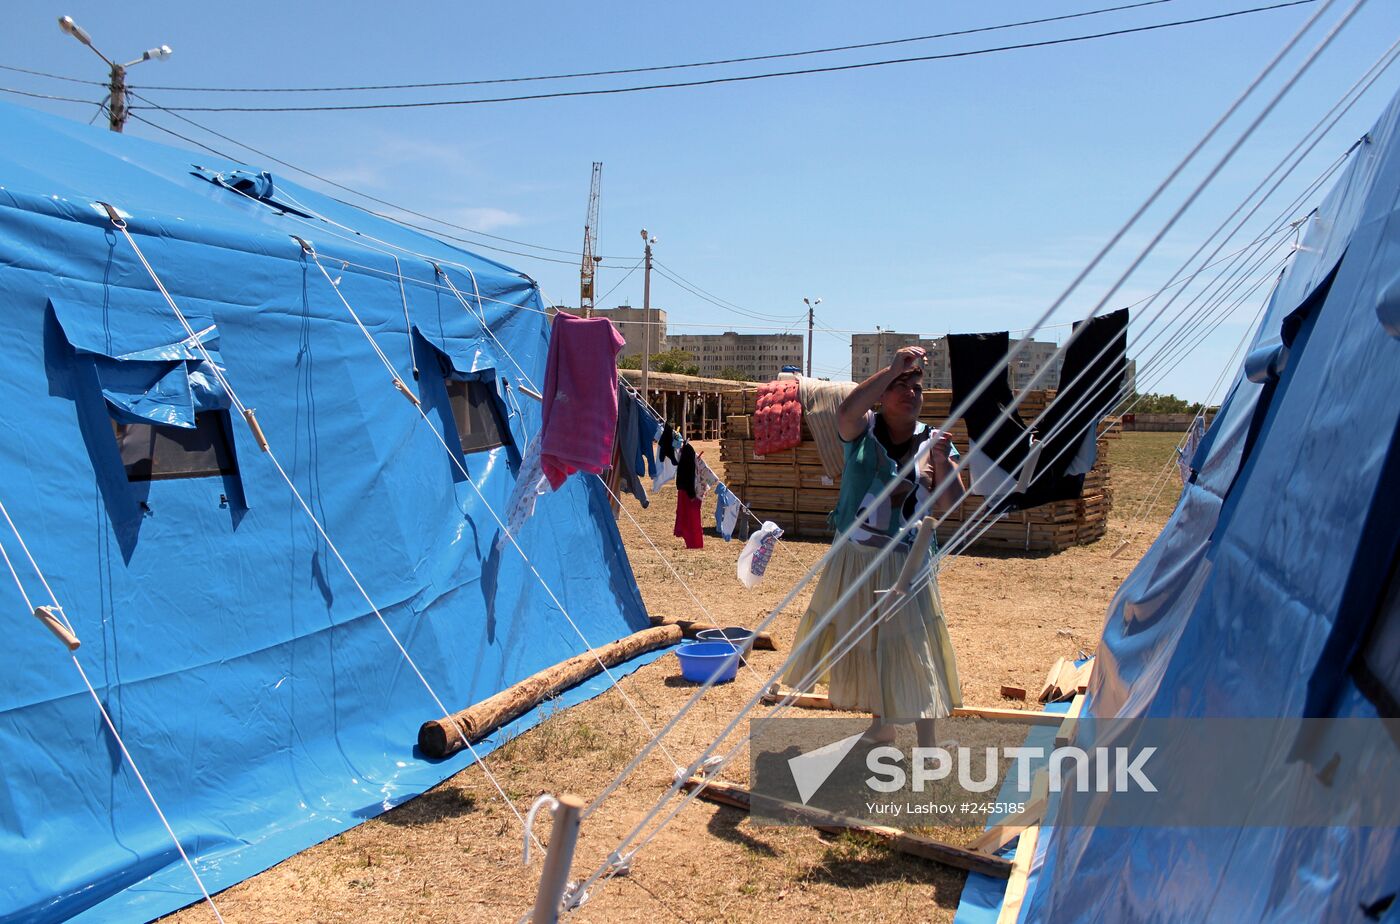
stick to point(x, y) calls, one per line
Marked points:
point(580, 397)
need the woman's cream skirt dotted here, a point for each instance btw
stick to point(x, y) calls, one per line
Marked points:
point(903, 669)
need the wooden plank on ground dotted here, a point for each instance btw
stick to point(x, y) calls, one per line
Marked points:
point(777, 692)
point(905, 842)
point(998, 836)
point(820, 701)
point(1020, 876)
point(1047, 692)
point(1071, 722)
point(1027, 716)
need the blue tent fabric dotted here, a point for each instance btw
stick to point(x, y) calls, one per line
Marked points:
point(1258, 593)
point(262, 699)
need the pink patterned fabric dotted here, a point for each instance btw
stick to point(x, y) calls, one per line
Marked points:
point(580, 397)
point(777, 418)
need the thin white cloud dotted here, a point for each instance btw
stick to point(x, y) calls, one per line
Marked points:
point(481, 218)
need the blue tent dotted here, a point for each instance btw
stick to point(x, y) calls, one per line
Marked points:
point(263, 700)
point(1274, 590)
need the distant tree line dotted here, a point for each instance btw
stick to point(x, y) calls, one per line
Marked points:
point(1153, 403)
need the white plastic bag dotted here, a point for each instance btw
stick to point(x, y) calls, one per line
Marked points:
point(758, 551)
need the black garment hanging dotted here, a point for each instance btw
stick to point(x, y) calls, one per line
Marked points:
point(667, 448)
point(1091, 384)
point(1000, 440)
point(685, 471)
point(629, 411)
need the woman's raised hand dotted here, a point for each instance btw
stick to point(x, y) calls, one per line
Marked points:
point(907, 358)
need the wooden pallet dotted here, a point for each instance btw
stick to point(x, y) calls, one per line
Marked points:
point(791, 488)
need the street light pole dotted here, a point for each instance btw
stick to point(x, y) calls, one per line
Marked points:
point(811, 319)
point(116, 83)
point(648, 240)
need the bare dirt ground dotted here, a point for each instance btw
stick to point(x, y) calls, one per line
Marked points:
point(454, 853)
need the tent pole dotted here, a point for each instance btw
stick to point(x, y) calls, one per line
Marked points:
point(558, 859)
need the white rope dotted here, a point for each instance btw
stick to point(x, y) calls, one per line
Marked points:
point(480, 317)
point(859, 629)
point(97, 700)
point(967, 534)
point(985, 514)
point(456, 461)
point(120, 225)
point(1227, 281)
point(626, 841)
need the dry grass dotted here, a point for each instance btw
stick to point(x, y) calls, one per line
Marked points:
point(454, 853)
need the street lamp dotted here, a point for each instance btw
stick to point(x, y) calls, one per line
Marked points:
point(647, 240)
point(811, 318)
point(116, 99)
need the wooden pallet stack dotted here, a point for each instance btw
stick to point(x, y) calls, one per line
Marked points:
point(791, 489)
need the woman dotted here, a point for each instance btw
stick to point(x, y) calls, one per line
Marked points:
point(903, 670)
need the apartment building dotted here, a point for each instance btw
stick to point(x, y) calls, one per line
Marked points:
point(872, 352)
point(759, 356)
point(629, 322)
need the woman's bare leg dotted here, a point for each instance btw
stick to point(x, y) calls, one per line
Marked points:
point(879, 732)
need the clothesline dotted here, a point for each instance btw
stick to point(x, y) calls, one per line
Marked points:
point(662, 420)
point(628, 839)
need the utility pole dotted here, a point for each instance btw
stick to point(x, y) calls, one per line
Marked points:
point(811, 319)
point(648, 240)
point(116, 84)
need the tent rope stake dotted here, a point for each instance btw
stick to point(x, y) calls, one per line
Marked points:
point(53, 617)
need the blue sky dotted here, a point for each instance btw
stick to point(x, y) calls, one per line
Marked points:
point(956, 195)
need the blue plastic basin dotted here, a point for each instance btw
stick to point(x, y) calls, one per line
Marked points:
point(702, 660)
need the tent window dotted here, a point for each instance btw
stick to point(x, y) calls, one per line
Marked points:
point(155, 453)
point(478, 421)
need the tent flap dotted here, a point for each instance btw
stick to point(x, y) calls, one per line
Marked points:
point(145, 377)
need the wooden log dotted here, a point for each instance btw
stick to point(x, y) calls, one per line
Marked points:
point(905, 842)
point(1009, 692)
point(444, 737)
point(763, 641)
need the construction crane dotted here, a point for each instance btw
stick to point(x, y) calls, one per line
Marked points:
point(589, 269)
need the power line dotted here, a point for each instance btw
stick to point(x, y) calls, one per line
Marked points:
point(25, 70)
point(619, 283)
point(738, 308)
point(62, 99)
point(562, 94)
point(660, 67)
point(364, 195)
point(699, 293)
